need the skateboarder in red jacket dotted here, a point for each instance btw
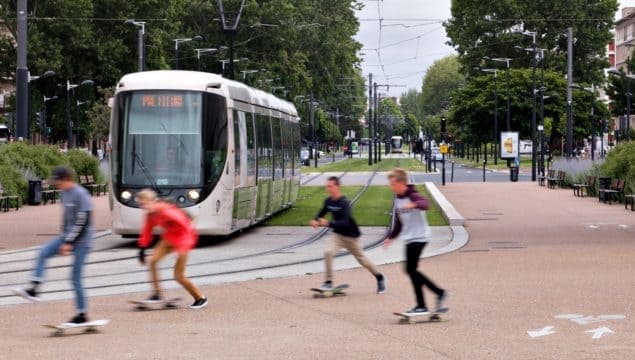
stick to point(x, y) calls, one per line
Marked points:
point(178, 236)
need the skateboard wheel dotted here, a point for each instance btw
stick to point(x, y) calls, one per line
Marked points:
point(170, 306)
point(90, 330)
point(58, 333)
point(435, 318)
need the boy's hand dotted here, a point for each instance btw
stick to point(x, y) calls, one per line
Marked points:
point(387, 243)
point(314, 224)
point(324, 222)
point(410, 206)
point(66, 249)
point(142, 256)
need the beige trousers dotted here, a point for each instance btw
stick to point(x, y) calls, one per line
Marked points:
point(336, 242)
point(162, 249)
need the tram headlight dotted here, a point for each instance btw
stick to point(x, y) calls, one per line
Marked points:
point(126, 195)
point(193, 195)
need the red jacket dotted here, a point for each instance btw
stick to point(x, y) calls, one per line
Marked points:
point(177, 228)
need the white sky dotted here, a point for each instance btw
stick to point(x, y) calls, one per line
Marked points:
point(412, 38)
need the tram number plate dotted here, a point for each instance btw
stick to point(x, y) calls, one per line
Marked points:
point(162, 181)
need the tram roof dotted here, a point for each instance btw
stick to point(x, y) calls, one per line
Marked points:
point(201, 81)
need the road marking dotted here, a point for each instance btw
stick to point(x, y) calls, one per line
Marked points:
point(587, 320)
point(547, 330)
point(594, 227)
point(623, 226)
point(597, 333)
point(612, 317)
point(569, 316)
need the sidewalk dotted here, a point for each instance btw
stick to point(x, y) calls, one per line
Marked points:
point(43, 222)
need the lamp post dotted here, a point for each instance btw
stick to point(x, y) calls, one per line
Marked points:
point(592, 91)
point(245, 72)
point(140, 42)
point(179, 41)
point(69, 122)
point(231, 67)
point(506, 61)
point(44, 127)
point(30, 79)
point(198, 55)
point(496, 136)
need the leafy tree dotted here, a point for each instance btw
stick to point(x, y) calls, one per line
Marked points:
point(440, 81)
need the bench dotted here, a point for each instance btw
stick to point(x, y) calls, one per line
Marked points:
point(614, 191)
point(542, 178)
point(590, 184)
point(629, 199)
point(558, 180)
point(88, 181)
point(7, 200)
point(49, 193)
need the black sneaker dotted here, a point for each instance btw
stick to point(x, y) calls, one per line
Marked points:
point(417, 311)
point(29, 294)
point(78, 319)
point(153, 299)
point(199, 304)
point(381, 285)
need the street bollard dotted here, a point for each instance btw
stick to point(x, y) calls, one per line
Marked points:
point(484, 163)
point(452, 173)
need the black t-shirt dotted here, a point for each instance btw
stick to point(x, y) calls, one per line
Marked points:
point(343, 222)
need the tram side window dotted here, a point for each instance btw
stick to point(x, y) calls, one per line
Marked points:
point(287, 138)
point(251, 150)
point(277, 149)
point(239, 146)
point(215, 136)
point(295, 152)
point(265, 165)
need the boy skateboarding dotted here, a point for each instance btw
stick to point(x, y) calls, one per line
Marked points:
point(412, 227)
point(345, 234)
point(178, 236)
point(76, 238)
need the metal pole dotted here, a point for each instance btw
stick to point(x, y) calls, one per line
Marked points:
point(313, 150)
point(628, 108)
point(69, 124)
point(496, 137)
point(370, 120)
point(141, 45)
point(22, 74)
point(569, 92)
point(176, 54)
point(375, 128)
point(231, 56)
point(508, 121)
point(533, 113)
point(44, 133)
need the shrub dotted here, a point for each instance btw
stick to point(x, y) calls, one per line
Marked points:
point(577, 169)
point(620, 164)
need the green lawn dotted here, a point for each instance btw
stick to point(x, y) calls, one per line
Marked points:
point(372, 209)
point(356, 165)
point(525, 162)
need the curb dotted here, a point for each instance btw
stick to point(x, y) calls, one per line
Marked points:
point(453, 217)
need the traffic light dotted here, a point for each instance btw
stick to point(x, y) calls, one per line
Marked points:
point(39, 120)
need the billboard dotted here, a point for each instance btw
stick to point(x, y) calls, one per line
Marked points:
point(509, 145)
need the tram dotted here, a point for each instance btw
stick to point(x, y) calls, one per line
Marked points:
point(396, 143)
point(226, 153)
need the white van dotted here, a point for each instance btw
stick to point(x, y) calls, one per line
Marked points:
point(5, 134)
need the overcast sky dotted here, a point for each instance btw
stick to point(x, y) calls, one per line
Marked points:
point(411, 39)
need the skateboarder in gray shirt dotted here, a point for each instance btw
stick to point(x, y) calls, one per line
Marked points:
point(412, 227)
point(76, 237)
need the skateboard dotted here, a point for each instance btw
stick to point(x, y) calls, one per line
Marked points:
point(433, 316)
point(90, 327)
point(147, 305)
point(337, 290)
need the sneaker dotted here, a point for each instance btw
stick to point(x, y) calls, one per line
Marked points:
point(200, 303)
point(328, 285)
point(381, 285)
point(78, 319)
point(154, 299)
point(417, 311)
point(29, 294)
point(441, 301)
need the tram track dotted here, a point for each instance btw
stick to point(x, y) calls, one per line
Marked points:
point(302, 243)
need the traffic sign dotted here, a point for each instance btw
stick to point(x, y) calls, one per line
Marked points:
point(443, 148)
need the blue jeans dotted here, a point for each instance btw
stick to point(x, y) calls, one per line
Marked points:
point(80, 252)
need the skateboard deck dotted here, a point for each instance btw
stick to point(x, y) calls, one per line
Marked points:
point(433, 316)
point(337, 290)
point(147, 305)
point(89, 327)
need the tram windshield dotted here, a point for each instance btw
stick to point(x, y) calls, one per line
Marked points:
point(396, 142)
point(162, 139)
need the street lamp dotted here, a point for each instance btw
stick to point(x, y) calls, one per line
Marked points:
point(592, 91)
point(506, 61)
point(496, 136)
point(245, 72)
point(44, 127)
point(179, 41)
point(227, 61)
point(198, 55)
point(69, 123)
point(140, 42)
point(30, 79)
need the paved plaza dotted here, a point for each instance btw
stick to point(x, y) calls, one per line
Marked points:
point(544, 275)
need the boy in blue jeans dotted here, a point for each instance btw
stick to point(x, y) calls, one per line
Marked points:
point(76, 238)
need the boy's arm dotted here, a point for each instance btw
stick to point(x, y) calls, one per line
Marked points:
point(420, 202)
point(146, 234)
point(396, 229)
point(82, 217)
point(322, 211)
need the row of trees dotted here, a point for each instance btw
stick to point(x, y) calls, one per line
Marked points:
point(454, 87)
point(304, 46)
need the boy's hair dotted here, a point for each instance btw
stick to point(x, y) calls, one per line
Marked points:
point(399, 175)
point(334, 179)
point(147, 195)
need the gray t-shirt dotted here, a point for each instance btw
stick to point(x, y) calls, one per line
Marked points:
point(77, 224)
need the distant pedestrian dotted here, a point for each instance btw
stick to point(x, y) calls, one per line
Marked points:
point(76, 238)
point(412, 227)
point(178, 236)
point(345, 234)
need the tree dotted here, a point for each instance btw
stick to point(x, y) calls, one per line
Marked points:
point(440, 81)
point(479, 28)
point(99, 117)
